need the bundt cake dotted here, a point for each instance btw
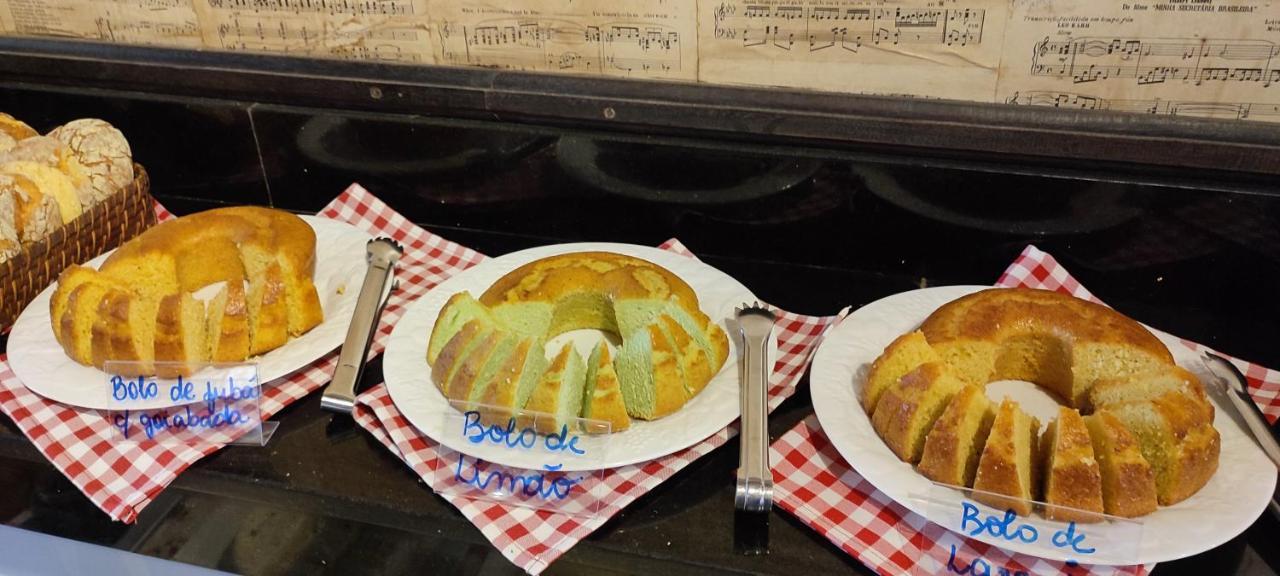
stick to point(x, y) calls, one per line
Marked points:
point(670, 349)
point(1008, 470)
point(908, 409)
point(139, 306)
point(953, 445)
point(1072, 479)
point(1151, 438)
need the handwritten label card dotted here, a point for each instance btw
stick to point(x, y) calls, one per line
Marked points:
point(219, 403)
point(1089, 538)
point(568, 478)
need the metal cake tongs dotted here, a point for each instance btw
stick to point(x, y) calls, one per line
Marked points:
point(1237, 390)
point(755, 481)
point(340, 394)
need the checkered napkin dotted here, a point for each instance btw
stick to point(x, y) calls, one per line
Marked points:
point(123, 478)
point(532, 539)
point(813, 482)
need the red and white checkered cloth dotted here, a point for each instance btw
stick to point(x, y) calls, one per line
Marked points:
point(123, 478)
point(813, 482)
point(532, 539)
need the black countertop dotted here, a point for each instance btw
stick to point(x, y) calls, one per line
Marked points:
point(808, 229)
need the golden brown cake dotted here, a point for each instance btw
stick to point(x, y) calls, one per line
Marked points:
point(670, 349)
point(1008, 465)
point(1128, 484)
point(908, 409)
point(1072, 478)
point(1062, 343)
point(1156, 440)
point(902, 355)
point(271, 251)
point(1174, 437)
point(953, 445)
point(180, 334)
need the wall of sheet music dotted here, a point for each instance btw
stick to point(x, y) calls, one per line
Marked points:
point(1215, 58)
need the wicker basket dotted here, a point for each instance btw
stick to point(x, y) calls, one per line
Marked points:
point(103, 227)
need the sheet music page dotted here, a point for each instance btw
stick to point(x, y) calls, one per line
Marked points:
point(1208, 58)
point(161, 22)
point(388, 30)
point(929, 48)
point(629, 38)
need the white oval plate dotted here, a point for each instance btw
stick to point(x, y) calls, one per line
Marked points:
point(39, 361)
point(1231, 501)
point(417, 397)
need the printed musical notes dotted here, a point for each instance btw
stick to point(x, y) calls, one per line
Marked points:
point(933, 48)
point(1218, 63)
point(1069, 100)
point(1156, 61)
point(163, 22)
point(823, 27)
point(636, 38)
point(386, 30)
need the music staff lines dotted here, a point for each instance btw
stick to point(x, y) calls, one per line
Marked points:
point(1157, 61)
point(1070, 100)
point(847, 28)
point(564, 45)
point(331, 7)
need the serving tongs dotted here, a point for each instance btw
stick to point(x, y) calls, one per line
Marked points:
point(755, 482)
point(340, 394)
point(1236, 388)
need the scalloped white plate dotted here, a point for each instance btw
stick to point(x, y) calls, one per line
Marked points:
point(409, 377)
point(38, 359)
point(1231, 501)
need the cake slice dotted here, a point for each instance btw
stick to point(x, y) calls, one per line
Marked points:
point(602, 396)
point(953, 445)
point(227, 324)
point(78, 319)
point(694, 363)
point(180, 336)
point(1128, 484)
point(1072, 477)
point(649, 374)
point(1149, 386)
point(904, 354)
point(105, 324)
point(133, 329)
point(478, 369)
point(514, 381)
point(268, 311)
point(459, 310)
point(909, 408)
point(705, 333)
point(68, 280)
point(302, 299)
point(1175, 439)
point(455, 352)
point(1007, 468)
point(557, 399)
